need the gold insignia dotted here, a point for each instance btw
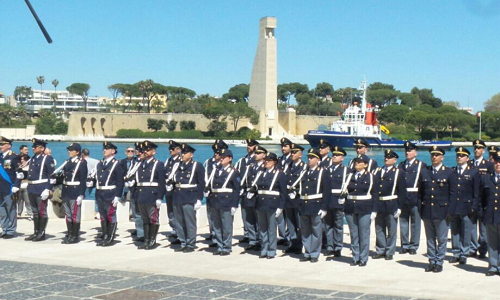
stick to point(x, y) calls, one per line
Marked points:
point(71, 145)
point(34, 140)
point(223, 150)
point(183, 146)
point(434, 147)
point(336, 148)
point(321, 141)
point(477, 141)
point(216, 146)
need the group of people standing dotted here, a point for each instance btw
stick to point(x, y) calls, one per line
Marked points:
point(283, 200)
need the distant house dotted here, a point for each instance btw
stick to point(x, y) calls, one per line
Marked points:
point(65, 102)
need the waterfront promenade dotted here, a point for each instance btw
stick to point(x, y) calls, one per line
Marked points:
point(110, 272)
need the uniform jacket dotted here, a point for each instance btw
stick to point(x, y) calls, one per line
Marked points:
point(224, 178)
point(74, 172)
point(485, 167)
point(490, 200)
point(110, 175)
point(325, 162)
point(150, 172)
point(248, 180)
point(337, 176)
point(9, 163)
point(210, 165)
point(439, 190)
point(392, 183)
point(413, 177)
point(189, 173)
point(40, 168)
point(243, 163)
point(284, 162)
point(371, 166)
point(468, 185)
point(367, 185)
point(267, 183)
point(171, 165)
point(311, 183)
point(292, 175)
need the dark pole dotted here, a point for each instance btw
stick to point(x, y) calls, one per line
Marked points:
point(45, 33)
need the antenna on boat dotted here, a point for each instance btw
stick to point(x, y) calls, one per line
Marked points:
point(363, 99)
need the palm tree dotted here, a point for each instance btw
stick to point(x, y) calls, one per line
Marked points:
point(41, 81)
point(54, 97)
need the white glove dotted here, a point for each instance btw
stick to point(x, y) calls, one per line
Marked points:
point(45, 194)
point(20, 175)
point(53, 181)
point(397, 213)
point(278, 213)
point(241, 192)
point(158, 203)
point(90, 184)
point(197, 205)
point(233, 210)
point(341, 200)
point(116, 201)
point(322, 213)
point(206, 194)
point(126, 184)
point(292, 195)
point(373, 216)
point(169, 187)
point(79, 200)
point(15, 189)
point(250, 195)
point(131, 183)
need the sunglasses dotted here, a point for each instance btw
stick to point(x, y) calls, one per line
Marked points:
point(130, 150)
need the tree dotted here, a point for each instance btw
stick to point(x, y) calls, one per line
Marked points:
point(437, 123)
point(238, 92)
point(214, 111)
point(178, 93)
point(48, 123)
point(410, 100)
point(240, 110)
point(146, 87)
point(41, 81)
point(217, 128)
point(22, 93)
point(323, 89)
point(171, 125)
point(188, 125)
point(418, 119)
point(115, 89)
point(155, 124)
point(54, 96)
point(129, 90)
point(81, 89)
point(493, 104)
point(286, 90)
point(427, 97)
point(393, 114)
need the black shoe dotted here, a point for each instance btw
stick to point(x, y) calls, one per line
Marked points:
point(404, 251)
point(491, 273)
point(329, 252)
point(2, 235)
point(314, 260)
point(463, 260)
point(354, 263)
point(270, 257)
point(257, 247)
point(153, 233)
point(139, 239)
point(176, 242)
point(244, 240)
point(304, 259)
point(251, 247)
point(362, 264)
point(104, 233)
point(482, 255)
point(75, 234)
point(472, 254)
point(217, 252)
point(212, 245)
point(36, 225)
point(412, 251)
point(111, 234)
point(225, 253)
point(209, 238)
point(188, 250)
point(378, 256)
point(430, 268)
point(41, 232)
point(133, 232)
point(145, 239)
point(8, 236)
point(281, 242)
point(180, 249)
point(289, 250)
point(438, 268)
point(262, 256)
point(337, 253)
point(69, 226)
point(454, 260)
point(389, 257)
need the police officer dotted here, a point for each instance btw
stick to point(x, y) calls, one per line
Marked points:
point(39, 187)
point(491, 152)
point(74, 174)
point(248, 181)
point(392, 194)
point(484, 167)
point(362, 147)
point(108, 180)
point(224, 193)
point(150, 189)
point(210, 164)
point(130, 164)
point(334, 219)
point(271, 197)
point(461, 207)
point(491, 216)
point(361, 208)
point(189, 183)
point(241, 166)
point(439, 187)
point(8, 186)
point(414, 170)
point(283, 164)
point(171, 165)
point(324, 150)
point(293, 175)
point(314, 192)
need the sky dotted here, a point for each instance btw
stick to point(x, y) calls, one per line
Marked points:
point(449, 46)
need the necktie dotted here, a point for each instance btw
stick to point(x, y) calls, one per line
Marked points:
point(358, 176)
point(498, 178)
point(408, 165)
point(105, 163)
point(476, 163)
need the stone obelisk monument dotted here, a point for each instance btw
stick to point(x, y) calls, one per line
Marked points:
point(264, 83)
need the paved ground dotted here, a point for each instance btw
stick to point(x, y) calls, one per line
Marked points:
point(54, 271)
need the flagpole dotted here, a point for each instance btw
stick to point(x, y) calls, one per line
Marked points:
point(479, 125)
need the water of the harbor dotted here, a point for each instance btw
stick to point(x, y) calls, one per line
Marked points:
point(203, 152)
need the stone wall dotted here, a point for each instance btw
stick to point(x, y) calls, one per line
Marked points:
point(305, 123)
point(18, 133)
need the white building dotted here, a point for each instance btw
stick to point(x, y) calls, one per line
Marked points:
point(65, 101)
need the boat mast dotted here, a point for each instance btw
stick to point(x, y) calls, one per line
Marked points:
point(363, 99)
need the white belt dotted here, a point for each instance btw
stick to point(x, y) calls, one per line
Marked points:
point(366, 197)
point(412, 189)
point(336, 191)
point(186, 186)
point(147, 184)
point(222, 190)
point(38, 181)
point(71, 182)
point(270, 193)
point(311, 197)
point(385, 198)
point(106, 187)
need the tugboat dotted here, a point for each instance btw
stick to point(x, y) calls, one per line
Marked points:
point(360, 122)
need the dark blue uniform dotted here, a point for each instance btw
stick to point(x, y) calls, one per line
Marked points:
point(371, 164)
point(392, 194)
point(130, 166)
point(171, 165)
point(248, 204)
point(439, 188)
point(490, 204)
point(242, 166)
point(284, 235)
point(74, 184)
point(210, 165)
point(271, 195)
point(334, 219)
point(325, 162)
point(188, 189)
point(410, 210)
point(314, 192)
point(363, 189)
point(292, 176)
point(8, 208)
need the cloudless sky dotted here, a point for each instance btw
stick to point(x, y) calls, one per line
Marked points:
point(450, 46)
